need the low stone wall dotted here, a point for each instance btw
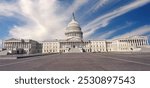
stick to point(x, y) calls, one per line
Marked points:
point(22, 56)
point(8, 57)
point(117, 52)
point(145, 49)
point(31, 55)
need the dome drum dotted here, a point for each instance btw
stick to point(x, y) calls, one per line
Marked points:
point(73, 30)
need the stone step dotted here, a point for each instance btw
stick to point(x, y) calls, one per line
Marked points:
point(75, 50)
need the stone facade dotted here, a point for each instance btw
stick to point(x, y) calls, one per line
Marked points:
point(132, 43)
point(98, 46)
point(51, 47)
point(22, 46)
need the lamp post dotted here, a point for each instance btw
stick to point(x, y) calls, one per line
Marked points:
point(2, 45)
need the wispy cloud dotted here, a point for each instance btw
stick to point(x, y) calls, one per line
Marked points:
point(111, 33)
point(139, 31)
point(98, 4)
point(104, 20)
point(6, 9)
point(75, 6)
point(44, 18)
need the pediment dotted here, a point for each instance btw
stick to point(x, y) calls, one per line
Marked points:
point(12, 39)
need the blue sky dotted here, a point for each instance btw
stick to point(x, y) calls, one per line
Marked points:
point(99, 19)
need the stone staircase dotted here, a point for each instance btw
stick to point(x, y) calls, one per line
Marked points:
point(75, 50)
point(5, 52)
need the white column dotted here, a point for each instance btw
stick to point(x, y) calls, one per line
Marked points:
point(147, 42)
point(128, 42)
point(139, 42)
point(142, 42)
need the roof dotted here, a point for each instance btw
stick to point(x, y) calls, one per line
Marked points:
point(131, 37)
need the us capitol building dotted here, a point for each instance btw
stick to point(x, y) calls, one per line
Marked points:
point(74, 43)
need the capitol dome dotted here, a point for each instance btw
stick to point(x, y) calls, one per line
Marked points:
point(73, 30)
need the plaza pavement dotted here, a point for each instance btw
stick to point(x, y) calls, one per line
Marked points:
point(80, 62)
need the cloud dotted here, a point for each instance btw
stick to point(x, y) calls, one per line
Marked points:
point(44, 19)
point(98, 4)
point(111, 33)
point(76, 5)
point(139, 31)
point(6, 9)
point(104, 20)
point(42, 22)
